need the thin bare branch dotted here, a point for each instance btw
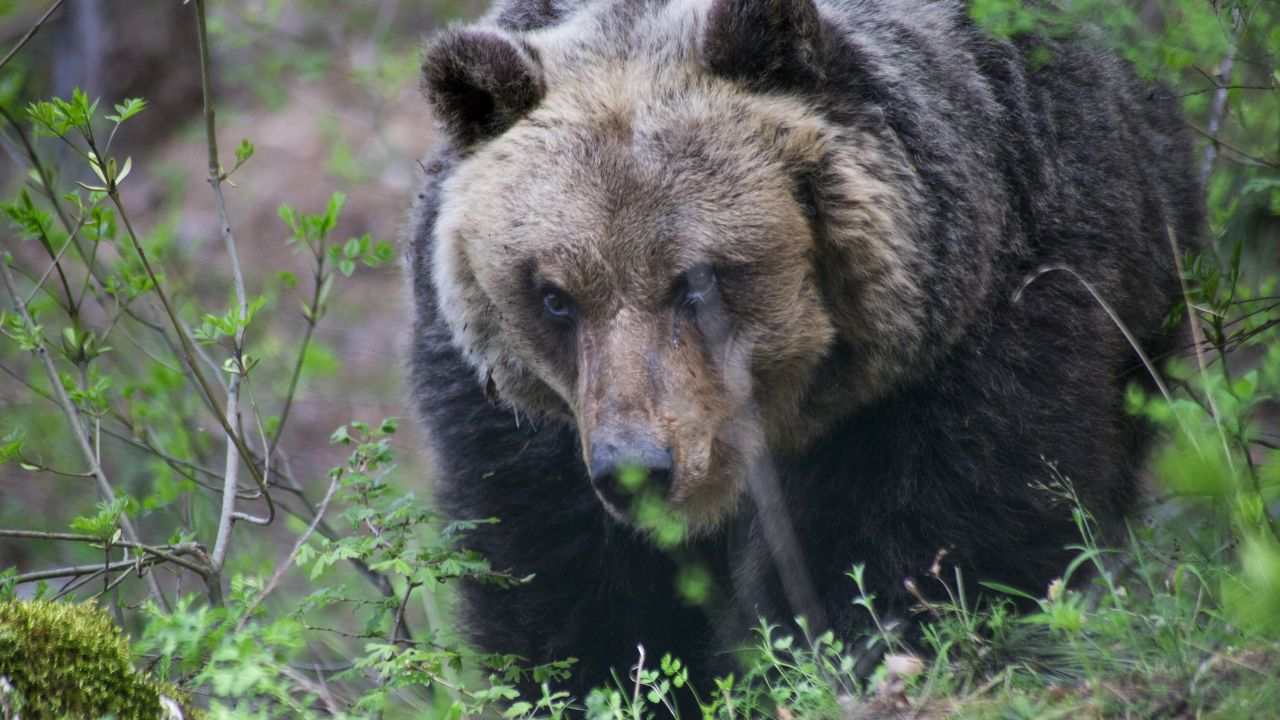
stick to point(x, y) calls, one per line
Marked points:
point(1198, 340)
point(228, 512)
point(287, 563)
point(1119, 323)
point(1217, 112)
point(168, 553)
point(56, 264)
point(296, 375)
point(1216, 142)
point(75, 571)
point(22, 42)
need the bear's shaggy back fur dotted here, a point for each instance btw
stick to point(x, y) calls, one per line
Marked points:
point(905, 174)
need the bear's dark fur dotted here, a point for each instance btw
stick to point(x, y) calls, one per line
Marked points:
point(1065, 160)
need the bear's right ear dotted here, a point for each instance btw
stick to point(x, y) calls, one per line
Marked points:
point(764, 41)
point(480, 82)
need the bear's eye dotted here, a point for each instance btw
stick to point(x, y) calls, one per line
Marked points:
point(557, 304)
point(698, 284)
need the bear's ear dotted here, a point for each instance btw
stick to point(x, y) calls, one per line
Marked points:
point(764, 41)
point(526, 15)
point(480, 82)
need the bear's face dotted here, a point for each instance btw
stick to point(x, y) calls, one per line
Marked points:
point(644, 272)
point(645, 249)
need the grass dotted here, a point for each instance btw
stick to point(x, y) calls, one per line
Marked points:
point(1151, 632)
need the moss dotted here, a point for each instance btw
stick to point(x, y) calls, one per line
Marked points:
point(67, 660)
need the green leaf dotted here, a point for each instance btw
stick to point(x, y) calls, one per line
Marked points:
point(1008, 590)
point(290, 218)
point(11, 446)
point(103, 523)
point(127, 109)
point(244, 151)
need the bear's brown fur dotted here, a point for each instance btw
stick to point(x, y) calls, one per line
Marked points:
point(766, 250)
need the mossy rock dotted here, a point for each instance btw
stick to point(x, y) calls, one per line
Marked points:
point(65, 660)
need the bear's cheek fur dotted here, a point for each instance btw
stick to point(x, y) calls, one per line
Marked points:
point(493, 315)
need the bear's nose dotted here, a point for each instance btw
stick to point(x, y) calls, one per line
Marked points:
point(611, 460)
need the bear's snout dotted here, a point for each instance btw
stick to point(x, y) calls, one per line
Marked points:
point(624, 465)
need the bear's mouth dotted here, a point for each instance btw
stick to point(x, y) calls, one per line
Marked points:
point(666, 521)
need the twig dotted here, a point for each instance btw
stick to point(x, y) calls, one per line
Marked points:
point(377, 579)
point(1119, 323)
point(168, 553)
point(284, 566)
point(56, 264)
point(232, 472)
point(40, 467)
point(296, 375)
point(1215, 141)
point(75, 584)
point(1197, 338)
point(30, 33)
point(186, 349)
point(1216, 112)
point(112, 585)
point(74, 571)
point(398, 623)
point(77, 427)
point(1215, 87)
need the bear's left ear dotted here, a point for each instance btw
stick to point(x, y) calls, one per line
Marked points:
point(480, 82)
point(764, 41)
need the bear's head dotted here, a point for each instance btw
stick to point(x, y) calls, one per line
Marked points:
point(648, 236)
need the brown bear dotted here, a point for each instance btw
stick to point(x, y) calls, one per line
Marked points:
point(766, 252)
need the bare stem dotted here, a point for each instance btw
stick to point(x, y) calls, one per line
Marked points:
point(297, 367)
point(1216, 112)
point(186, 349)
point(1198, 340)
point(1119, 323)
point(30, 33)
point(284, 566)
point(228, 514)
point(75, 571)
point(168, 553)
point(152, 558)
